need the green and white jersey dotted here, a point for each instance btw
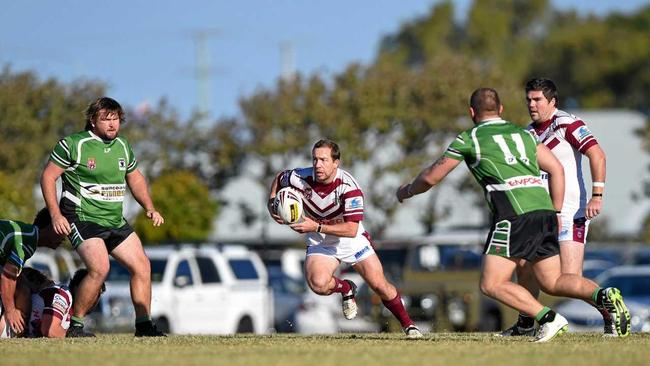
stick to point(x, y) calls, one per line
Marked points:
point(503, 159)
point(94, 181)
point(18, 242)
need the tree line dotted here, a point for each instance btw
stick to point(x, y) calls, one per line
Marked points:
point(390, 117)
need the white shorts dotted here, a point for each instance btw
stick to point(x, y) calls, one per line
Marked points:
point(574, 229)
point(351, 252)
point(5, 328)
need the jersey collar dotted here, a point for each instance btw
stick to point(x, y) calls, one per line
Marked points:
point(99, 138)
point(490, 121)
point(540, 127)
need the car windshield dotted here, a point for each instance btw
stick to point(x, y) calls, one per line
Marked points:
point(281, 283)
point(630, 285)
point(243, 269)
point(117, 272)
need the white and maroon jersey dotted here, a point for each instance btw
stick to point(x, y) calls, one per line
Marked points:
point(336, 202)
point(54, 300)
point(568, 138)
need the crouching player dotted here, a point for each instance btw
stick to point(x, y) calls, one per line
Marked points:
point(46, 304)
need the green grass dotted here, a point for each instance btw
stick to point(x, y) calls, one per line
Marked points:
point(453, 349)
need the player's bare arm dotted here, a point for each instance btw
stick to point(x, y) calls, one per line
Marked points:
point(51, 173)
point(341, 229)
point(427, 178)
point(138, 186)
point(549, 163)
point(597, 164)
point(8, 280)
point(51, 327)
point(272, 193)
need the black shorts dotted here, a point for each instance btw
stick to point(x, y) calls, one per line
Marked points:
point(530, 236)
point(82, 230)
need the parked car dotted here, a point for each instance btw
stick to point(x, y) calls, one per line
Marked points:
point(205, 289)
point(288, 296)
point(634, 283)
point(57, 264)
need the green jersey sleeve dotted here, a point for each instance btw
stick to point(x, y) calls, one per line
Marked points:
point(460, 148)
point(18, 244)
point(61, 156)
point(132, 162)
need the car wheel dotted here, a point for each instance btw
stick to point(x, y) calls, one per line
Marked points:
point(163, 325)
point(245, 325)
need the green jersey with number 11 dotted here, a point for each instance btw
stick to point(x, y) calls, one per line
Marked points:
point(503, 159)
point(94, 181)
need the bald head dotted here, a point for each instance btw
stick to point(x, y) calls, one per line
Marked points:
point(484, 103)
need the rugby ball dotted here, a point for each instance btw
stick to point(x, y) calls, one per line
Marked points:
point(288, 204)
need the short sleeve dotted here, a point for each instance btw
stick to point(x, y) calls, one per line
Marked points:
point(61, 156)
point(460, 148)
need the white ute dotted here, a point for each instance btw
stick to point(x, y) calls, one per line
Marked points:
point(204, 289)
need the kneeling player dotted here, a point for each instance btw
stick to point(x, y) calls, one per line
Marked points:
point(46, 304)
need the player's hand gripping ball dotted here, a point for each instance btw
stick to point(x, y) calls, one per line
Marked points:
point(288, 204)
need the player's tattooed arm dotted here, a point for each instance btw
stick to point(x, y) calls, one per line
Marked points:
point(428, 178)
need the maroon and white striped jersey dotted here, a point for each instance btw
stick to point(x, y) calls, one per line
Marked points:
point(54, 300)
point(336, 202)
point(568, 137)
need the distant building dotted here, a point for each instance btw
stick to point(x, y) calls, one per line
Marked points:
point(625, 204)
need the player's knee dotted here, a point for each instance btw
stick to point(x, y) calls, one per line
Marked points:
point(488, 288)
point(98, 272)
point(142, 268)
point(319, 285)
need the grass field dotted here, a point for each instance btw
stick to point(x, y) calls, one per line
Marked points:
point(453, 349)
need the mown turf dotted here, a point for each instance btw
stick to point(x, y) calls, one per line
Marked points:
point(453, 349)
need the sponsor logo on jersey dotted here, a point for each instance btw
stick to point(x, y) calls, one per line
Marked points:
point(581, 133)
point(355, 203)
point(307, 193)
point(524, 181)
point(360, 253)
point(103, 192)
point(59, 303)
point(92, 164)
point(107, 150)
point(121, 163)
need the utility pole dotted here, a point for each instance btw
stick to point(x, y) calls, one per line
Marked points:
point(287, 61)
point(204, 72)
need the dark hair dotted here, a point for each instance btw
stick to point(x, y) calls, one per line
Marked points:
point(546, 86)
point(334, 147)
point(106, 103)
point(484, 100)
point(76, 279)
point(35, 279)
point(42, 219)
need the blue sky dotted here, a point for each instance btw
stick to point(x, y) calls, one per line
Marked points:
point(146, 49)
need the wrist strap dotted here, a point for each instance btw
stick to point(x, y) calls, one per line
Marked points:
point(596, 195)
point(599, 184)
point(408, 190)
point(319, 228)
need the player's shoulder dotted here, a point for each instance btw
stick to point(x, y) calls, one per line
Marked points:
point(347, 179)
point(54, 292)
point(564, 118)
point(122, 139)
point(303, 172)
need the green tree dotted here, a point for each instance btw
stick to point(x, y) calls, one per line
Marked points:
point(34, 114)
point(186, 205)
point(598, 63)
